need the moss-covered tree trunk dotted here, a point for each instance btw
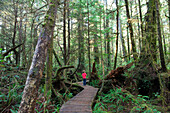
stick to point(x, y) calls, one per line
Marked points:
point(48, 77)
point(169, 21)
point(88, 34)
point(151, 29)
point(160, 37)
point(69, 38)
point(141, 23)
point(3, 32)
point(80, 38)
point(36, 70)
point(64, 34)
point(96, 50)
point(107, 39)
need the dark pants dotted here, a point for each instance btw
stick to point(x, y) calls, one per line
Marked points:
point(84, 82)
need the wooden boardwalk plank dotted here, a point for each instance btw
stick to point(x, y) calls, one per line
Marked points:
point(82, 102)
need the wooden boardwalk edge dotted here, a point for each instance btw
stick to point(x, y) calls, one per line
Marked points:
point(82, 102)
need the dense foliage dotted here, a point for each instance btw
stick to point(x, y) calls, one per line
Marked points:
point(99, 36)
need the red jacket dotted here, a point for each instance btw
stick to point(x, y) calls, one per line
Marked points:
point(84, 75)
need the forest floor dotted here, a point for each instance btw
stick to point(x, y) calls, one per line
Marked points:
point(113, 99)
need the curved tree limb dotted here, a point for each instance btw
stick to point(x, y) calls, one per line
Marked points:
point(62, 68)
point(56, 57)
point(12, 49)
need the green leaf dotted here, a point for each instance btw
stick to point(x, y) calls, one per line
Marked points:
point(13, 111)
point(2, 96)
point(138, 109)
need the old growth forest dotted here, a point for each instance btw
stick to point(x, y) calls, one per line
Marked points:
point(123, 46)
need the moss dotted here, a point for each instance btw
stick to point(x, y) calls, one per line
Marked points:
point(43, 24)
point(52, 5)
point(47, 16)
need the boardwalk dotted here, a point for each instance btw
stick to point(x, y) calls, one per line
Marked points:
point(82, 102)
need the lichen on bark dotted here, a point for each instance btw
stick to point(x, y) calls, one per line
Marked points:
point(30, 92)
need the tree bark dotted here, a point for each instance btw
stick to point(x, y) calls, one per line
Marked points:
point(107, 39)
point(139, 38)
point(64, 34)
point(131, 31)
point(117, 35)
point(151, 29)
point(80, 39)
point(82, 43)
point(141, 24)
point(169, 13)
point(88, 34)
point(96, 50)
point(20, 39)
point(49, 64)
point(68, 14)
point(128, 45)
point(101, 48)
point(160, 38)
point(15, 31)
point(122, 38)
point(36, 70)
point(3, 27)
point(56, 57)
point(24, 59)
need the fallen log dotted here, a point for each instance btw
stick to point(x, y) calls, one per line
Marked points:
point(115, 78)
point(117, 73)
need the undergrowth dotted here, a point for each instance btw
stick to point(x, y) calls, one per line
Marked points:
point(121, 101)
point(12, 83)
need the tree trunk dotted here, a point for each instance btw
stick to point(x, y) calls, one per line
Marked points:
point(169, 13)
point(160, 37)
point(64, 33)
point(88, 34)
point(122, 38)
point(24, 59)
point(36, 70)
point(107, 38)
point(131, 31)
point(96, 50)
point(169, 19)
point(128, 45)
point(141, 22)
point(20, 39)
point(80, 39)
point(68, 14)
point(32, 49)
point(117, 29)
point(3, 33)
point(104, 26)
point(151, 29)
point(101, 48)
point(56, 57)
point(49, 64)
point(82, 44)
point(15, 31)
point(139, 38)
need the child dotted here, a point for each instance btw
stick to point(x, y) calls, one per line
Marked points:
point(84, 77)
